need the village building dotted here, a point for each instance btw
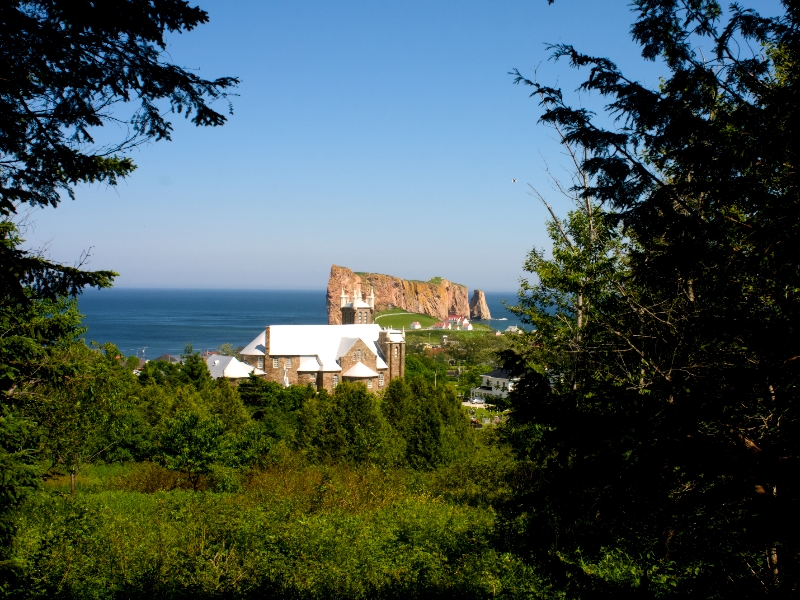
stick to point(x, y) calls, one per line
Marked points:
point(415, 325)
point(325, 355)
point(227, 366)
point(495, 384)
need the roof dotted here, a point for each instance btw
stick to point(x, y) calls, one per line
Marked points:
point(308, 364)
point(228, 366)
point(497, 374)
point(256, 347)
point(170, 358)
point(359, 370)
point(326, 343)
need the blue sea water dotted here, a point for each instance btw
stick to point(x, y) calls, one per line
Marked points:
point(163, 321)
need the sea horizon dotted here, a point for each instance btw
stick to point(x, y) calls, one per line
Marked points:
point(164, 320)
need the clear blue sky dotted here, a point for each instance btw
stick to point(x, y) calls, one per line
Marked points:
point(375, 135)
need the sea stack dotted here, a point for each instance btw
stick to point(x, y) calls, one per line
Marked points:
point(478, 309)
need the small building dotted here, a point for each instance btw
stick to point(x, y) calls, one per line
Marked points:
point(495, 384)
point(171, 359)
point(227, 366)
point(415, 325)
point(442, 325)
point(513, 329)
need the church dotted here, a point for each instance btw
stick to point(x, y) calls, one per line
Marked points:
point(325, 355)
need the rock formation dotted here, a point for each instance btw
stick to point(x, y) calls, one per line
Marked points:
point(478, 309)
point(437, 297)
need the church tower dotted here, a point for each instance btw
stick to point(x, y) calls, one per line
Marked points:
point(393, 345)
point(357, 312)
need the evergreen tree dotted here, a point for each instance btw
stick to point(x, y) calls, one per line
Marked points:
point(671, 465)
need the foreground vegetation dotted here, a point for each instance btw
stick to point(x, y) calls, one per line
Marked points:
point(651, 447)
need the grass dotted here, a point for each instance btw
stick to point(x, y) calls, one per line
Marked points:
point(399, 318)
point(435, 336)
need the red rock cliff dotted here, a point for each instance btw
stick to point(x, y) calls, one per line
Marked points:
point(437, 298)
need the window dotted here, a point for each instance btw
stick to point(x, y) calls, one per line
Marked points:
point(289, 363)
point(358, 354)
point(369, 383)
point(395, 350)
point(380, 380)
point(260, 362)
point(274, 363)
point(335, 380)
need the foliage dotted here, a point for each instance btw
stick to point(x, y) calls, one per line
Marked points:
point(229, 350)
point(430, 369)
point(190, 445)
point(662, 432)
point(429, 419)
point(348, 425)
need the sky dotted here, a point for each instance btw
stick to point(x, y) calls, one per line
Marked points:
point(380, 136)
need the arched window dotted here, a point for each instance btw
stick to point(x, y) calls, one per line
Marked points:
point(395, 350)
point(358, 354)
point(335, 380)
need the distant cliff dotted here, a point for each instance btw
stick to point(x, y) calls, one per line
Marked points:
point(478, 309)
point(437, 297)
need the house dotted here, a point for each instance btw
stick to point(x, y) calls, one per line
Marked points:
point(495, 384)
point(171, 359)
point(513, 329)
point(415, 325)
point(324, 355)
point(442, 325)
point(227, 366)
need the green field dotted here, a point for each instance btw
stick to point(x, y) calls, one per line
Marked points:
point(399, 318)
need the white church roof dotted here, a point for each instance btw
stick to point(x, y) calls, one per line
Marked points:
point(359, 370)
point(256, 347)
point(308, 364)
point(325, 344)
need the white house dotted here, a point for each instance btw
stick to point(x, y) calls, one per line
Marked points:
point(495, 384)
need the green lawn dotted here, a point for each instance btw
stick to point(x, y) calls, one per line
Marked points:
point(399, 318)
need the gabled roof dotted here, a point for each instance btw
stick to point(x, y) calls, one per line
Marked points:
point(228, 366)
point(497, 374)
point(325, 342)
point(256, 347)
point(359, 370)
point(308, 364)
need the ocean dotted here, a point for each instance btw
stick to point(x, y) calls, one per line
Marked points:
point(161, 321)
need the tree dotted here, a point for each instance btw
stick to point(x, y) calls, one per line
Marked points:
point(67, 68)
point(190, 445)
point(230, 350)
point(348, 425)
point(671, 464)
